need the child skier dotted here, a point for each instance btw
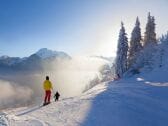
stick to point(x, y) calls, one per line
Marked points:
point(56, 96)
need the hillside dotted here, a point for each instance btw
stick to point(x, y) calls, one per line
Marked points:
point(137, 101)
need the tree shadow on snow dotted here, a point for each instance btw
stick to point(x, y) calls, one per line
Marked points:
point(129, 103)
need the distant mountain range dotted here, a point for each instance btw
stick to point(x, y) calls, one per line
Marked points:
point(34, 62)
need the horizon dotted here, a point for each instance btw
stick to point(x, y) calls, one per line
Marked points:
point(81, 28)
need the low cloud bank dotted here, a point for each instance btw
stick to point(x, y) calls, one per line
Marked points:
point(69, 77)
point(12, 94)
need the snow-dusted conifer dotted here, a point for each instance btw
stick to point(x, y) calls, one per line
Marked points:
point(164, 39)
point(150, 35)
point(121, 58)
point(162, 50)
point(135, 43)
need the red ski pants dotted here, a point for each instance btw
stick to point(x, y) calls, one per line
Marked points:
point(47, 96)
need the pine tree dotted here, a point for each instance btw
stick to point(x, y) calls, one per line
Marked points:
point(164, 39)
point(121, 58)
point(150, 35)
point(162, 50)
point(135, 43)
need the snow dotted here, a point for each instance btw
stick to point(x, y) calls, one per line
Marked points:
point(4, 57)
point(45, 53)
point(136, 101)
point(3, 120)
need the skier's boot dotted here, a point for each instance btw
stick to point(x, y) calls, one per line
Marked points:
point(44, 103)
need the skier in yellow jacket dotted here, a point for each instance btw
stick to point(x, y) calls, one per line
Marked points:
point(47, 85)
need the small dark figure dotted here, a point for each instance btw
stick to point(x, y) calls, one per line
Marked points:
point(117, 77)
point(56, 96)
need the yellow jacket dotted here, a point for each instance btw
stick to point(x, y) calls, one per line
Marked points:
point(47, 85)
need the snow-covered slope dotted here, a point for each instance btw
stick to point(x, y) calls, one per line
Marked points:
point(137, 101)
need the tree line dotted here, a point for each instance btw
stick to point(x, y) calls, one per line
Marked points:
point(134, 54)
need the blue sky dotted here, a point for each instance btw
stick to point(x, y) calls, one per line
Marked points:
point(88, 27)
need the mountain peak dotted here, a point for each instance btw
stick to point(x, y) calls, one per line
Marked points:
point(43, 49)
point(46, 53)
point(4, 57)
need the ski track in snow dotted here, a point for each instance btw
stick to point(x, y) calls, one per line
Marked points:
point(128, 102)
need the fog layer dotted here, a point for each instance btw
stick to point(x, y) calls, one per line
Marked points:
point(69, 78)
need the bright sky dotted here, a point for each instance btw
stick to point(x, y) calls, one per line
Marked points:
point(78, 27)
